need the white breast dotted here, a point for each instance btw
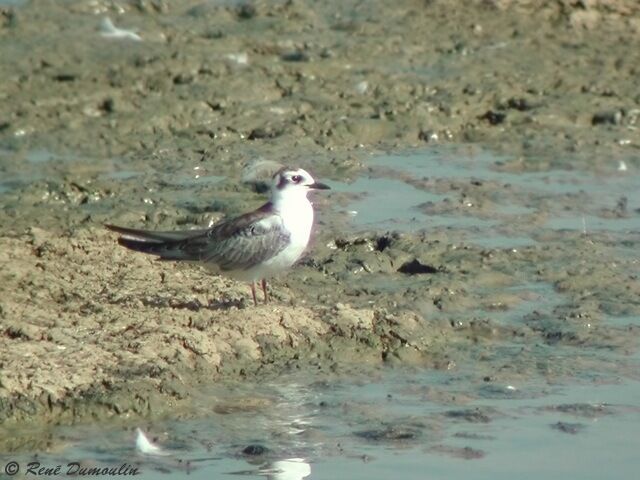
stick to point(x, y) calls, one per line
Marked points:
point(297, 219)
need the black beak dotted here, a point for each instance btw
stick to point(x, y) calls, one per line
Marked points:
point(319, 186)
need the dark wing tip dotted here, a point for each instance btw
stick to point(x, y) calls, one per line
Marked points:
point(116, 228)
point(137, 245)
point(135, 234)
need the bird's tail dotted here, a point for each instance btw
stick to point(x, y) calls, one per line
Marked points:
point(166, 245)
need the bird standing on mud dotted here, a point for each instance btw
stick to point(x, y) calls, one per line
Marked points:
point(255, 246)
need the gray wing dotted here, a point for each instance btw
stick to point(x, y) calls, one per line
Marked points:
point(247, 246)
point(235, 244)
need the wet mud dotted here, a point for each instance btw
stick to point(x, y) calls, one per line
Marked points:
point(483, 158)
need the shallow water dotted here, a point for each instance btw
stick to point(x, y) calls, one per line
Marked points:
point(422, 423)
point(385, 202)
point(499, 216)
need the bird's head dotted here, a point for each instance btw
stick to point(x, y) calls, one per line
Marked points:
point(293, 182)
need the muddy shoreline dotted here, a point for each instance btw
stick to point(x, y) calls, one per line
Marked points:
point(159, 133)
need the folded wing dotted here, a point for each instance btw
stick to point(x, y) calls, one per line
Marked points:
point(235, 244)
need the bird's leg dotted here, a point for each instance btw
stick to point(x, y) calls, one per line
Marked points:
point(264, 290)
point(253, 293)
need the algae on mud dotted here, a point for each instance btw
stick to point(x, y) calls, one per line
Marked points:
point(94, 130)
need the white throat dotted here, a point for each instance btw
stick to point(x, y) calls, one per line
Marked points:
point(296, 212)
point(288, 198)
